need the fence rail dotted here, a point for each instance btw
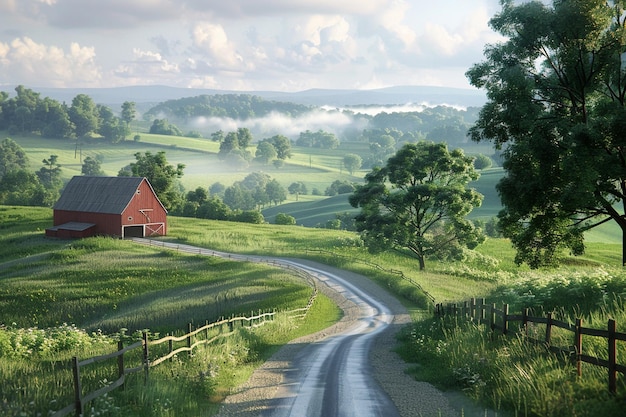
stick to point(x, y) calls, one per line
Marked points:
point(81, 399)
point(252, 321)
point(500, 320)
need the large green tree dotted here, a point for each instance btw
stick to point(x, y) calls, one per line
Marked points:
point(12, 157)
point(91, 166)
point(556, 90)
point(22, 188)
point(282, 144)
point(265, 152)
point(84, 115)
point(418, 202)
point(352, 162)
point(128, 112)
point(50, 173)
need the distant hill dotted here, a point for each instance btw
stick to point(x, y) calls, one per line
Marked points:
point(152, 95)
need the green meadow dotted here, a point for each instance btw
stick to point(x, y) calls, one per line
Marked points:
point(64, 298)
point(312, 166)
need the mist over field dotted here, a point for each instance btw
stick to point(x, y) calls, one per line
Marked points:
point(375, 109)
point(280, 123)
point(343, 121)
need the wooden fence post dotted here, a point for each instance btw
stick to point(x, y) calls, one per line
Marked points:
point(170, 346)
point(120, 361)
point(525, 321)
point(612, 358)
point(473, 312)
point(505, 319)
point(548, 339)
point(78, 396)
point(492, 318)
point(578, 345)
point(483, 310)
point(146, 360)
point(189, 328)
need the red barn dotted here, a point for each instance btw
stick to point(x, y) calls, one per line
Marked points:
point(114, 206)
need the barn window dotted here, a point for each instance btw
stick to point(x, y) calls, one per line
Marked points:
point(130, 218)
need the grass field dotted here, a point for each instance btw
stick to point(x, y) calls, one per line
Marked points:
point(203, 168)
point(107, 284)
point(63, 298)
point(317, 168)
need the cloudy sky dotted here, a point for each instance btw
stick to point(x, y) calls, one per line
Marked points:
point(281, 45)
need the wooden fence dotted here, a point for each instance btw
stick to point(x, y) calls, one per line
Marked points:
point(192, 341)
point(501, 319)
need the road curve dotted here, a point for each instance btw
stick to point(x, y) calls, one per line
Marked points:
point(336, 372)
point(333, 377)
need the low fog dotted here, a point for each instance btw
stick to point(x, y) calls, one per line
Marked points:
point(338, 120)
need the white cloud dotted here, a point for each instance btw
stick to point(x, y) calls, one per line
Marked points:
point(392, 20)
point(212, 40)
point(30, 62)
point(255, 8)
point(146, 65)
point(251, 44)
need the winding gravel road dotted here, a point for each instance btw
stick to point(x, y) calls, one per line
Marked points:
point(348, 369)
point(333, 378)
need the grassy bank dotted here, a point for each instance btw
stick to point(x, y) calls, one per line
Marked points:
point(99, 286)
point(105, 283)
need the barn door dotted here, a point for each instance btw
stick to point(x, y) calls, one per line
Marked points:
point(157, 229)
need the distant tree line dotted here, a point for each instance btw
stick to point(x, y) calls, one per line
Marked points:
point(234, 106)
point(28, 113)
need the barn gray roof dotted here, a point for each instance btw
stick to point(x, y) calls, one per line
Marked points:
point(98, 194)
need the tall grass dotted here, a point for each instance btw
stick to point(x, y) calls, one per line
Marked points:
point(104, 283)
point(510, 373)
point(36, 371)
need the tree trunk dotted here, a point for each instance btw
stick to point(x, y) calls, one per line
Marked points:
point(422, 263)
point(623, 245)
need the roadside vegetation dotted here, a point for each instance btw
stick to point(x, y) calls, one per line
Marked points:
point(60, 299)
point(129, 281)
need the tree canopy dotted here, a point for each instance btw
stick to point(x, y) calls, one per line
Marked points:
point(234, 106)
point(556, 90)
point(418, 202)
point(12, 157)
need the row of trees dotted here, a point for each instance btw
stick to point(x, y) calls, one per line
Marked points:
point(234, 106)
point(28, 113)
point(441, 123)
point(234, 148)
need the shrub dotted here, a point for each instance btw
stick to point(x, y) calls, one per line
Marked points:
point(286, 219)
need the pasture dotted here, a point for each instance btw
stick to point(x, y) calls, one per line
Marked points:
point(117, 287)
point(63, 298)
point(104, 285)
point(316, 168)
